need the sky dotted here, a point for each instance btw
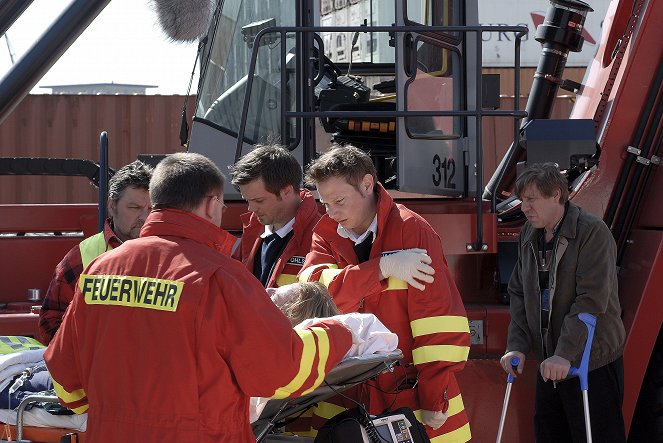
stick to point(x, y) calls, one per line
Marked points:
point(124, 44)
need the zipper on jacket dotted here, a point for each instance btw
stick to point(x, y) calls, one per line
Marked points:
point(538, 286)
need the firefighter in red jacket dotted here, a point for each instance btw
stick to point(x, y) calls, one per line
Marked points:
point(167, 337)
point(277, 232)
point(374, 257)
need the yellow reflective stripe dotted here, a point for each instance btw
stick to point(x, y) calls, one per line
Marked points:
point(427, 354)
point(455, 406)
point(329, 274)
point(395, 284)
point(328, 410)
point(14, 343)
point(305, 365)
point(323, 356)
point(286, 279)
point(81, 409)
point(66, 396)
point(129, 291)
point(442, 323)
point(305, 275)
point(460, 435)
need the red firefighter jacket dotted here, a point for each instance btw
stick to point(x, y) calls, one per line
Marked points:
point(167, 338)
point(431, 325)
point(291, 260)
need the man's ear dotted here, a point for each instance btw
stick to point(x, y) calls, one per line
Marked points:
point(367, 184)
point(286, 191)
point(558, 195)
point(110, 206)
point(209, 208)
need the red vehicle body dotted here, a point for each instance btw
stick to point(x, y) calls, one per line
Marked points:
point(621, 99)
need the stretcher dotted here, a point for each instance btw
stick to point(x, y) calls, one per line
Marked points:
point(19, 432)
point(350, 372)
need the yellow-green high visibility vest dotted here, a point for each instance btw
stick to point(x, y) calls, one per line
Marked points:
point(93, 247)
point(12, 343)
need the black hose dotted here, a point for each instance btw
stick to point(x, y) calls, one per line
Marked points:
point(559, 34)
point(613, 204)
point(639, 193)
point(627, 207)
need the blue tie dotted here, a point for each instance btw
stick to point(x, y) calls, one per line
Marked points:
point(271, 246)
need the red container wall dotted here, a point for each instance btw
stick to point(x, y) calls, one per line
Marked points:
point(68, 126)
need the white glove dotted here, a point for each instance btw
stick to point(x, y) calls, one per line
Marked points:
point(408, 265)
point(434, 419)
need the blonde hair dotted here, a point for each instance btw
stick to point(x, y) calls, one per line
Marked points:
point(313, 300)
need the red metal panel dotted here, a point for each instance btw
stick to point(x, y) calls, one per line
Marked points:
point(624, 101)
point(482, 384)
point(48, 218)
point(640, 283)
point(29, 261)
point(652, 210)
point(25, 324)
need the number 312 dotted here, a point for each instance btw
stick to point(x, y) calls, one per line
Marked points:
point(446, 168)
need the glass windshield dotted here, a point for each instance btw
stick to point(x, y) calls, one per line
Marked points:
point(221, 95)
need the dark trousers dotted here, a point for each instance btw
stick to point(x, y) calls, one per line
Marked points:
point(559, 415)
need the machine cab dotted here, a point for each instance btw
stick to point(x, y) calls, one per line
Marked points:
point(400, 79)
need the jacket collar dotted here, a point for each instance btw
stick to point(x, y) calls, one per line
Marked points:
point(110, 237)
point(568, 229)
point(174, 222)
point(384, 206)
point(307, 213)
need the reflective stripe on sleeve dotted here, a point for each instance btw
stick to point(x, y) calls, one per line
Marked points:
point(305, 365)
point(459, 435)
point(306, 274)
point(323, 356)
point(66, 396)
point(442, 323)
point(81, 409)
point(329, 274)
point(451, 353)
point(455, 406)
point(286, 279)
point(395, 284)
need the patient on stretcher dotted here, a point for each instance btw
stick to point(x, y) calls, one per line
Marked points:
point(305, 303)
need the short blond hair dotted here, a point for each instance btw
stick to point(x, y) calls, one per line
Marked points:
point(313, 300)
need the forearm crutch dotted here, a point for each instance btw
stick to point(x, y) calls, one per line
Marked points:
point(590, 321)
point(515, 361)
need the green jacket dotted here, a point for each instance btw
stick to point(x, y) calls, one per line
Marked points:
point(583, 278)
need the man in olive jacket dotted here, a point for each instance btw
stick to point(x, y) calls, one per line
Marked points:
point(566, 265)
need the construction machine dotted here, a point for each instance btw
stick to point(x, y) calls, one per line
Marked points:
point(403, 80)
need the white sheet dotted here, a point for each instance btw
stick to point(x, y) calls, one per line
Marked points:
point(369, 335)
point(43, 419)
